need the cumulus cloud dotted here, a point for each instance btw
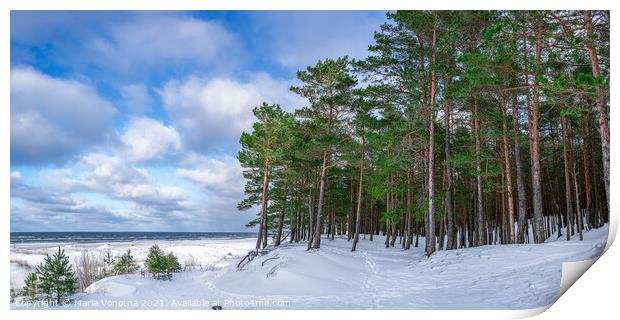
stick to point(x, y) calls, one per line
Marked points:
point(102, 188)
point(152, 40)
point(211, 113)
point(133, 46)
point(147, 139)
point(52, 118)
point(116, 178)
point(44, 207)
point(223, 176)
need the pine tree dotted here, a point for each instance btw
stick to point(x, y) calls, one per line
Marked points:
point(262, 150)
point(161, 265)
point(404, 170)
point(31, 287)
point(328, 86)
point(108, 260)
point(125, 264)
point(171, 265)
point(57, 280)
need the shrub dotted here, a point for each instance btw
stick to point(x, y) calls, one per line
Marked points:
point(190, 263)
point(56, 278)
point(88, 269)
point(125, 264)
point(161, 265)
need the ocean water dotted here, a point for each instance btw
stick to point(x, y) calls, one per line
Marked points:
point(94, 237)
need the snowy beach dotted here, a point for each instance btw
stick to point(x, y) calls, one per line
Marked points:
point(488, 277)
point(200, 254)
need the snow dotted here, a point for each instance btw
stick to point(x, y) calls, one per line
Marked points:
point(205, 253)
point(488, 277)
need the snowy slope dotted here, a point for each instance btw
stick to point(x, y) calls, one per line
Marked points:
point(488, 277)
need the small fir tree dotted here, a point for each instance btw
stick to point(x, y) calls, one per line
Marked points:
point(56, 278)
point(161, 265)
point(125, 264)
point(108, 260)
point(172, 265)
point(31, 289)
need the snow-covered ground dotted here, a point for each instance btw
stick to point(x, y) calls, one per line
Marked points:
point(205, 254)
point(373, 277)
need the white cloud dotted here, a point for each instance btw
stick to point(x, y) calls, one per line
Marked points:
point(136, 98)
point(223, 176)
point(16, 176)
point(151, 39)
point(53, 118)
point(116, 178)
point(210, 112)
point(147, 139)
point(299, 39)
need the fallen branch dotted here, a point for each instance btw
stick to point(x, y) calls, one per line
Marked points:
point(247, 259)
point(272, 258)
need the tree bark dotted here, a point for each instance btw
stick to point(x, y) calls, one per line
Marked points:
point(481, 239)
point(262, 229)
point(310, 219)
point(522, 219)
point(576, 189)
point(511, 214)
point(536, 187)
point(567, 183)
point(350, 218)
point(317, 232)
point(281, 216)
point(430, 232)
point(586, 168)
point(358, 215)
point(601, 105)
point(451, 236)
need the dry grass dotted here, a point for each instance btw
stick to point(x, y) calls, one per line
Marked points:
point(22, 263)
point(88, 269)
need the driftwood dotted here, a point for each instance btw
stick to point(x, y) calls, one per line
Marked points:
point(247, 259)
point(253, 254)
point(272, 258)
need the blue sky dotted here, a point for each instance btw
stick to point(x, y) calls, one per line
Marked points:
point(130, 121)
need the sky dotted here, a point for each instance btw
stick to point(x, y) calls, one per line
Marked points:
point(130, 121)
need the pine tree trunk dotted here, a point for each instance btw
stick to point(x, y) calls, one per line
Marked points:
point(601, 105)
point(539, 235)
point(586, 168)
point(451, 239)
point(576, 189)
point(281, 215)
point(522, 219)
point(317, 232)
point(280, 226)
point(358, 215)
point(409, 234)
point(481, 239)
point(430, 232)
point(350, 217)
point(511, 213)
point(567, 183)
point(262, 229)
point(310, 219)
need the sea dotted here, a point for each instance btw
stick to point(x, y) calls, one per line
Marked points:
point(94, 237)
